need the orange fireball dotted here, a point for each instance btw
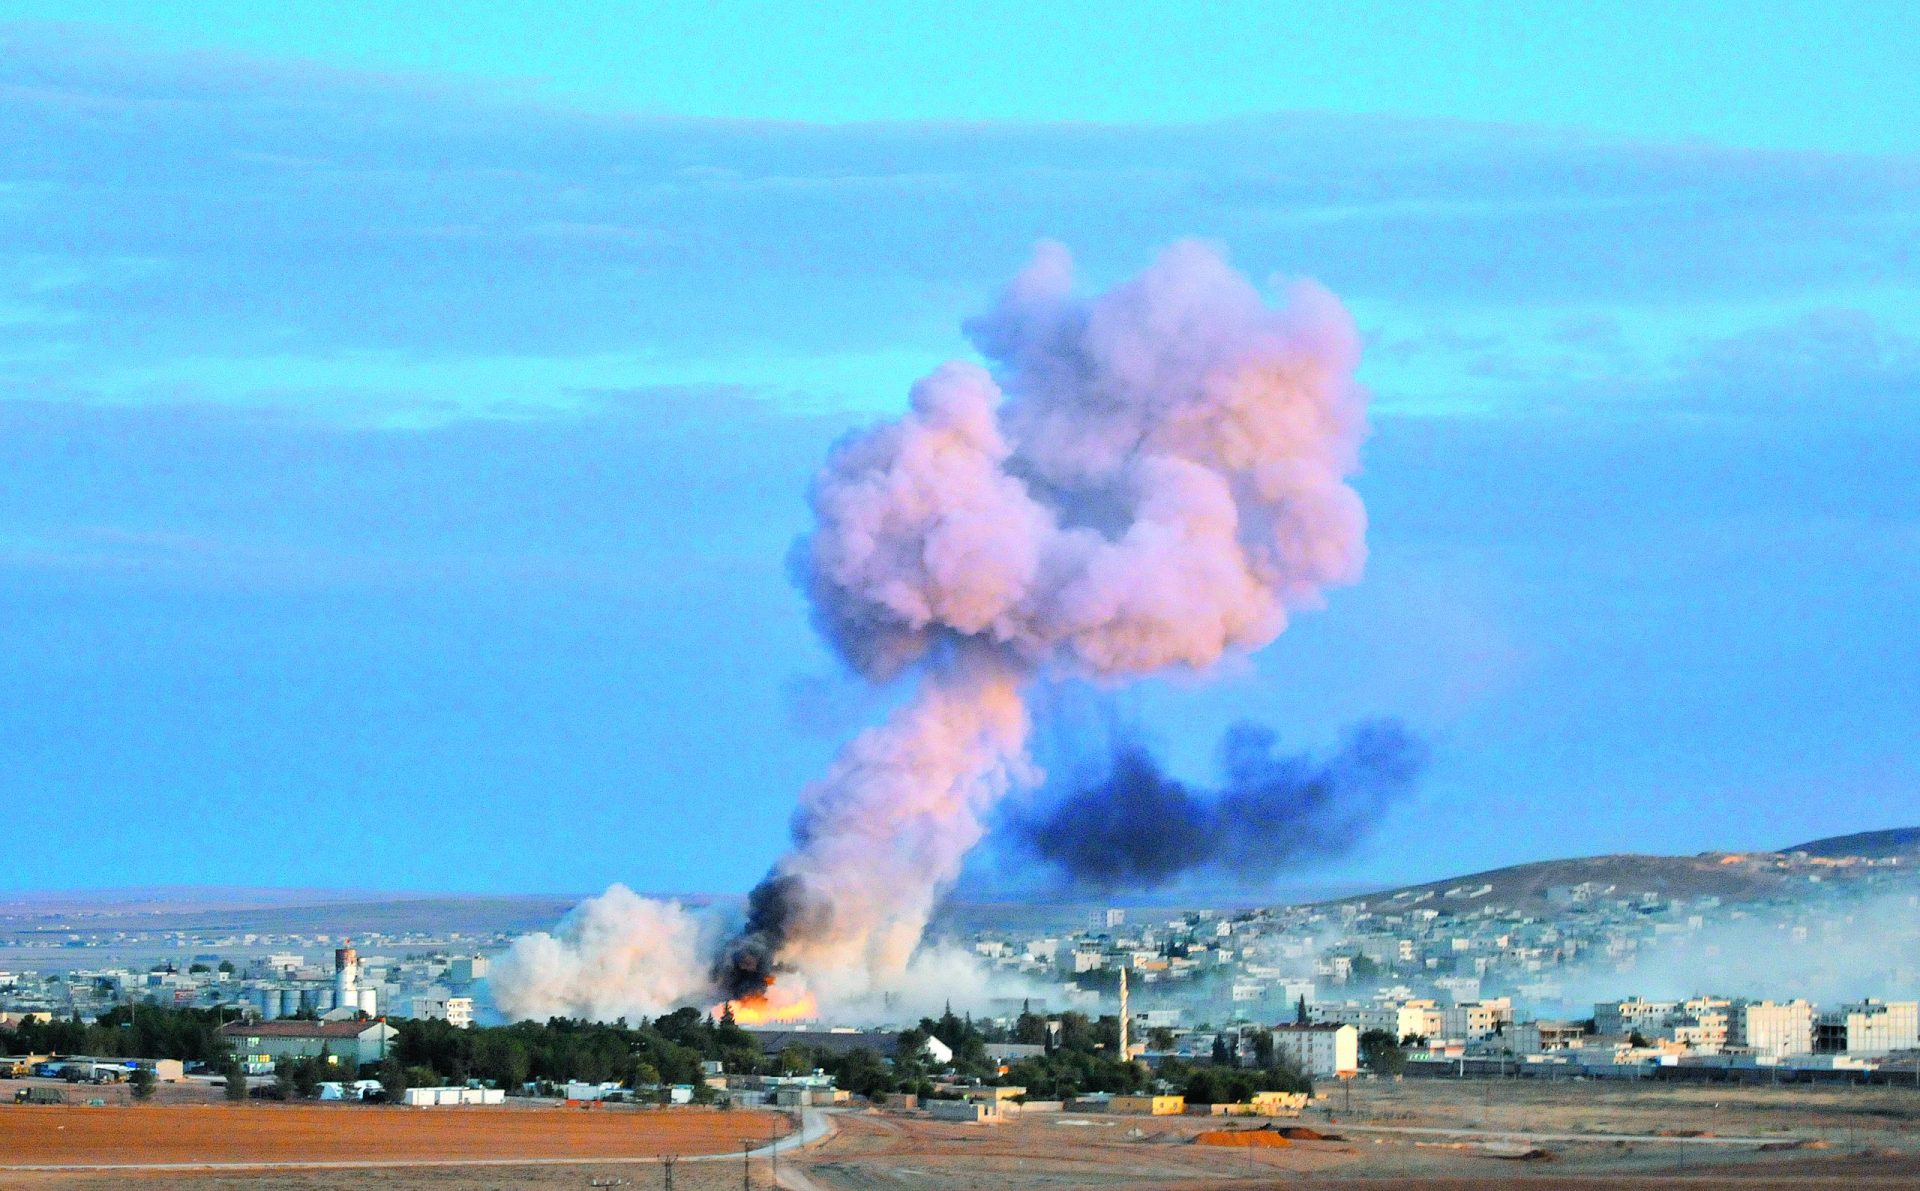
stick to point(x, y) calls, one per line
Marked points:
point(770, 1007)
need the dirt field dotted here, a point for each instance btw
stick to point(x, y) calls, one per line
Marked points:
point(1390, 1140)
point(1415, 1136)
point(157, 1134)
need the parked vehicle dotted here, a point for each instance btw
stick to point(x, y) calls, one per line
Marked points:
point(39, 1096)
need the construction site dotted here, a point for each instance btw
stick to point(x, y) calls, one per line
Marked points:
point(1382, 1134)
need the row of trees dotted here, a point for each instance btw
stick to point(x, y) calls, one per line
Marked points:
point(1082, 1056)
point(126, 1031)
point(665, 1050)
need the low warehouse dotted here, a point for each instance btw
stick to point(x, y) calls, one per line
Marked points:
point(974, 1112)
point(428, 1097)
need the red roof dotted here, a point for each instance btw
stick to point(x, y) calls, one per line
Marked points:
point(296, 1029)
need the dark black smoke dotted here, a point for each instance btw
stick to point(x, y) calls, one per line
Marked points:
point(750, 960)
point(1130, 826)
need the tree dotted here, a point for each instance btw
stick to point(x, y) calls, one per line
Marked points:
point(1222, 1051)
point(393, 1079)
point(1262, 1049)
point(1381, 1052)
point(307, 1075)
point(1030, 1027)
point(862, 1072)
point(1160, 1038)
point(236, 1080)
point(143, 1082)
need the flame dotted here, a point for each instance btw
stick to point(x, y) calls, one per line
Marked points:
point(771, 1007)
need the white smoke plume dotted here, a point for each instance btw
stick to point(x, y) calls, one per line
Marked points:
point(1149, 479)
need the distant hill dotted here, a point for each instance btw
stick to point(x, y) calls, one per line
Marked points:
point(1729, 876)
point(1874, 845)
point(1525, 887)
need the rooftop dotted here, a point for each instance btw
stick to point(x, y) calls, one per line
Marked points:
point(297, 1029)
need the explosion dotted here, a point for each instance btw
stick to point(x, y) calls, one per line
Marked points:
point(771, 1008)
point(1147, 480)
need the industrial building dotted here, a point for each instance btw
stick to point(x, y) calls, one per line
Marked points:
point(267, 1042)
point(346, 996)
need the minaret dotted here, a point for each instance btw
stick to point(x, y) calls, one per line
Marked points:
point(1126, 1055)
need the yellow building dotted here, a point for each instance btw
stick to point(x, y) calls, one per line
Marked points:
point(1153, 1106)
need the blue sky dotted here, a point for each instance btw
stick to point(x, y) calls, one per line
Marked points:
point(404, 420)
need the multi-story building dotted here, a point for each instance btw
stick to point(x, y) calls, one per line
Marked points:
point(1868, 1027)
point(455, 1011)
point(1476, 1019)
point(1632, 1015)
point(1771, 1029)
point(1324, 1050)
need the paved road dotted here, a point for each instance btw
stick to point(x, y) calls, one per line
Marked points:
point(1513, 1135)
point(815, 1126)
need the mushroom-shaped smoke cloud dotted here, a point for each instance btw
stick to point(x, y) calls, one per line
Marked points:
point(1148, 479)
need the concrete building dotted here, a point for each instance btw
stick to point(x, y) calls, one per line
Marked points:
point(455, 1011)
point(1632, 1015)
point(1868, 1027)
point(1151, 1106)
point(350, 995)
point(1324, 1050)
point(1539, 1037)
point(465, 969)
point(361, 1042)
point(1771, 1029)
point(1474, 1019)
point(973, 1112)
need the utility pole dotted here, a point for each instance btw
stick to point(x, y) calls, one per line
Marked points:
point(746, 1167)
point(666, 1167)
point(773, 1149)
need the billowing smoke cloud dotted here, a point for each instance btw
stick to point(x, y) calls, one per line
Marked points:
point(1148, 479)
point(1131, 826)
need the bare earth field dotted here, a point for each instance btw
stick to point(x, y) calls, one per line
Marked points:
point(1429, 1136)
point(1433, 1136)
point(489, 1138)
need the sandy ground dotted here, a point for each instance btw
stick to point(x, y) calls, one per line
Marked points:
point(148, 1135)
point(1430, 1136)
point(1398, 1136)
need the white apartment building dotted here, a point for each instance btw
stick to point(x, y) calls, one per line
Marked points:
point(1868, 1027)
point(1771, 1029)
point(1392, 1017)
point(455, 1011)
point(1324, 1050)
